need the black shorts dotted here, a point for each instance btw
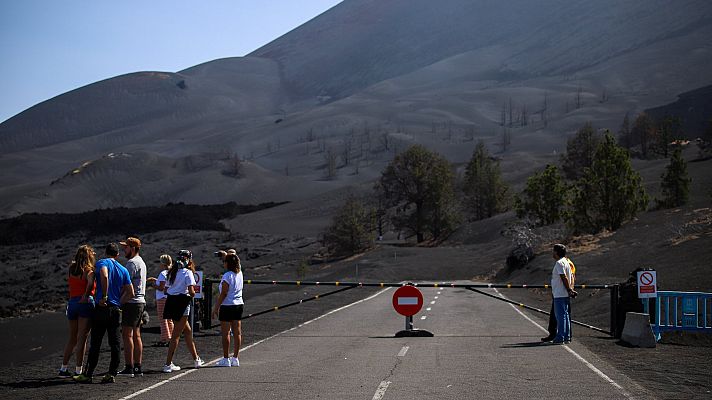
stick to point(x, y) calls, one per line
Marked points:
point(131, 314)
point(230, 313)
point(176, 305)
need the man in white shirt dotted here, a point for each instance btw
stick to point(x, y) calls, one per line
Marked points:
point(562, 290)
point(133, 310)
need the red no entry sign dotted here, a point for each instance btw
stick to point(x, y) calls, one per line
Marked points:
point(407, 300)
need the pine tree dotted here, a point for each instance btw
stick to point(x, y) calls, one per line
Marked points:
point(668, 130)
point(609, 193)
point(624, 135)
point(351, 230)
point(486, 193)
point(675, 184)
point(544, 197)
point(419, 183)
point(643, 133)
point(579, 152)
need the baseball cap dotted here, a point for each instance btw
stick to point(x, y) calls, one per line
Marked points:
point(131, 241)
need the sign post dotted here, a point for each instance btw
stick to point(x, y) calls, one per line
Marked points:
point(407, 301)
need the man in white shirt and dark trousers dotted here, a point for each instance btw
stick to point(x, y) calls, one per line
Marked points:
point(562, 290)
point(133, 310)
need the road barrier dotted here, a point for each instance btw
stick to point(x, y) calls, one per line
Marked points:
point(208, 296)
point(681, 311)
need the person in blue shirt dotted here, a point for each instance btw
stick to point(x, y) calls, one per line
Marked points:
point(113, 288)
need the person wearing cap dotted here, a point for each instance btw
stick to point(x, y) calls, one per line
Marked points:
point(181, 289)
point(222, 253)
point(133, 310)
point(562, 291)
point(113, 288)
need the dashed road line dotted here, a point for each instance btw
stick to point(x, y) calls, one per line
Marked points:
point(432, 302)
point(428, 309)
point(381, 390)
point(402, 351)
point(424, 316)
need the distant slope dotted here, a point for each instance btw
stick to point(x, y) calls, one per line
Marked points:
point(236, 86)
point(362, 42)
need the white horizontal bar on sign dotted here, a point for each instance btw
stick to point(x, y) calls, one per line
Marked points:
point(407, 301)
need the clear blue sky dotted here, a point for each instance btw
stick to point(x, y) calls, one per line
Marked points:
point(48, 47)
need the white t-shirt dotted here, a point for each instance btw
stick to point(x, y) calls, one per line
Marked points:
point(184, 278)
point(162, 277)
point(561, 266)
point(234, 290)
point(137, 271)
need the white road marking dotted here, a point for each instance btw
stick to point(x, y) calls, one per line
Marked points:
point(381, 390)
point(424, 316)
point(402, 351)
point(184, 373)
point(583, 360)
point(440, 292)
point(432, 302)
point(436, 297)
point(428, 309)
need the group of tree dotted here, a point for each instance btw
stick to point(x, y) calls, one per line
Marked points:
point(596, 188)
point(648, 138)
point(417, 194)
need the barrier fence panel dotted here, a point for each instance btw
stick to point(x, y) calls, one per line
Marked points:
point(682, 311)
point(206, 319)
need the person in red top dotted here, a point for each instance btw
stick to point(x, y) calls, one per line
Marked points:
point(80, 306)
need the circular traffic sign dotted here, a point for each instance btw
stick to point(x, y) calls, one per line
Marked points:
point(646, 278)
point(407, 300)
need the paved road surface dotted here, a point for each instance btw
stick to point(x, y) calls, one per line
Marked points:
point(482, 349)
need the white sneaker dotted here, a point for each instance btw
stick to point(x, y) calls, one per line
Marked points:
point(224, 362)
point(234, 362)
point(170, 368)
point(198, 362)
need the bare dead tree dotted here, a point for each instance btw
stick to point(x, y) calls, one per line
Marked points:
point(233, 167)
point(330, 159)
point(511, 121)
point(346, 151)
point(577, 99)
point(385, 141)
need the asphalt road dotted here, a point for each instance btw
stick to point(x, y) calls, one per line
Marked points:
point(482, 349)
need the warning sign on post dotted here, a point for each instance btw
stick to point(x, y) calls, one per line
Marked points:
point(647, 285)
point(198, 284)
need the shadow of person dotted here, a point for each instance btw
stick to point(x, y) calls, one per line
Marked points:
point(524, 344)
point(39, 383)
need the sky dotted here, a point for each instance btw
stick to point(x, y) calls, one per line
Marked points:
point(49, 47)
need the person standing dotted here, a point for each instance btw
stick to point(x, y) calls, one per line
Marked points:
point(228, 309)
point(160, 283)
point(132, 311)
point(562, 291)
point(80, 307)
point(113, 287)
point(180, 291)
point(552, 314)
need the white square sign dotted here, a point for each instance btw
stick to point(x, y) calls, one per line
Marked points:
point(647, 284)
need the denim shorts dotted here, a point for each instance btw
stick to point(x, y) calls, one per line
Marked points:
point(75, 309)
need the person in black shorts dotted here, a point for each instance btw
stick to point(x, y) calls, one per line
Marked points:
point(132, 311)
point(228, 309)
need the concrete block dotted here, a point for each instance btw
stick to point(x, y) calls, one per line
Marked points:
point(637, 330)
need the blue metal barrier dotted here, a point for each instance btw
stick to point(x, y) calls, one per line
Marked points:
point(682, 311)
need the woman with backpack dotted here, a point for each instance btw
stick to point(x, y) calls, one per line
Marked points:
point(228, 309)
point(181, 291)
